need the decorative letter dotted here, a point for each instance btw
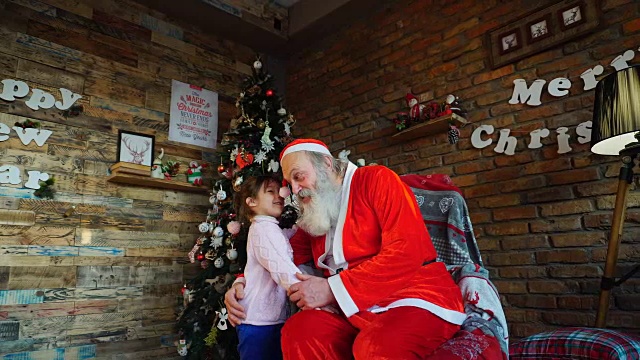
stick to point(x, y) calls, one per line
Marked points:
point(9, 174)
point(584, 132)
point(558, 86)
point(536, 135)
point(68, 99)
point(29, 134)
point(589, 77)
point(563, 140)
point(521, 93)
point(40, 99)
point(620, 62)
point(506, 141)
point(13, 89)
point(34, 179)
point(4, 129)
point(476, 139)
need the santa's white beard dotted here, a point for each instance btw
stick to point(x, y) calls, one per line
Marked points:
point(317, 216)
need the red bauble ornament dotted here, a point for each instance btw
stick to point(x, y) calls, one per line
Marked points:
point(269, 92)
point(184, 288)
point(200, 257)
point(221, 168)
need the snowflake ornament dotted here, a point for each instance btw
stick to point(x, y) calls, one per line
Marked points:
point(260, 157)
point(234, 153)
point(273, 166)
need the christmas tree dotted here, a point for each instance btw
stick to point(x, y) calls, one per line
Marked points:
point(251, 147)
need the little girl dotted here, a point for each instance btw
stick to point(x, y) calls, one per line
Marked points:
point(269, 271)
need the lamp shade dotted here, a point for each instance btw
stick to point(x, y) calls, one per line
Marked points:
point(616, 111)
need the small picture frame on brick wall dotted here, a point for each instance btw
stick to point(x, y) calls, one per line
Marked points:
point(572, 16)
point(539, 29)
point(542, 29)
point(510, 41)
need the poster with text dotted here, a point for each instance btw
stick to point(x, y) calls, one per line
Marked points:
point(194, 115)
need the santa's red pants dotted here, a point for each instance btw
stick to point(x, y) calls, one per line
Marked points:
point(399, 333)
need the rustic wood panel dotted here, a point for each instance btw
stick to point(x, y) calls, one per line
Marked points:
point(184, 216)
point(16, 193)
point(127, 239)
point(158, 275)
point(13, 250)
point(144, 332)
point(32, 311)
point(8, 65)
point(111, 104)
point(104, 88)
point(14, 297)
point(9, 203)
point(24, 277)
point(103, 276)
point(17, 217)
point(100, 251)
point(78, 324)
point(36, 6)
point(94, 200)
point(36, 235)
point(37, 250)
point(4, 276)
point(47, 75)
point(156, 252)
point(74, 6)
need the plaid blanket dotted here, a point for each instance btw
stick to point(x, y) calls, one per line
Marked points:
point(578, 343)
point(484, 333)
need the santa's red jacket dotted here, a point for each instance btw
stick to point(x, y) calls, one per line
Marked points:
point(382, 256)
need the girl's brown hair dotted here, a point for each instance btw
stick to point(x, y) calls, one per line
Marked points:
point(250, 188)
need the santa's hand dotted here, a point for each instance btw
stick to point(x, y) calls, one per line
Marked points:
point(311, 292)
point(234, 309)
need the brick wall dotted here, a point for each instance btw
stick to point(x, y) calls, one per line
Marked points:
point(104, 281)
point(542, 219)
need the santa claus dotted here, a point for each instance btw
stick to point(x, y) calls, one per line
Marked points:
point(415, 110)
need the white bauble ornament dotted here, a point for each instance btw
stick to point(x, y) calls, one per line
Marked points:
point(218, 231)
point(257, 65)
point(221, 195)
point(218, 262)
point(232, 254)
point(204, 227)
point(212, 199)
point(216, 242)
point(282, 111)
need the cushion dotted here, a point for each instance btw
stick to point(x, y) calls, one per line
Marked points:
point(578, 343)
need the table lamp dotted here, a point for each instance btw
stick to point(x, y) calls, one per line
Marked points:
point(616, 131)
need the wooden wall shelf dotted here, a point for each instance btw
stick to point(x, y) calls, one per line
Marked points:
point(434, 126)
point(148, 181)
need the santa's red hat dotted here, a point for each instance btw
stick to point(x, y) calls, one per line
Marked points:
point(305, 145)
point(410, 97)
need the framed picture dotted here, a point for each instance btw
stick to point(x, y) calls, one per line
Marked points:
point(571, 16)
point(135, 148)
point(539, 29)
point(510, 41)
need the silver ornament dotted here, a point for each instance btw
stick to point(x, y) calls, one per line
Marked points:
point(221, 195)
point(218, 231)
point(212, 200)
point(257, 65)
point(204, 227)
point(218, 262)
point(232, 254)
point(282, 111)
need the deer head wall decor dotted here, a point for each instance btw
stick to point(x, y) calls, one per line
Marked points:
point(137, 154)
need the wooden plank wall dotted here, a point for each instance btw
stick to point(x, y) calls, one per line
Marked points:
point(104, 282)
